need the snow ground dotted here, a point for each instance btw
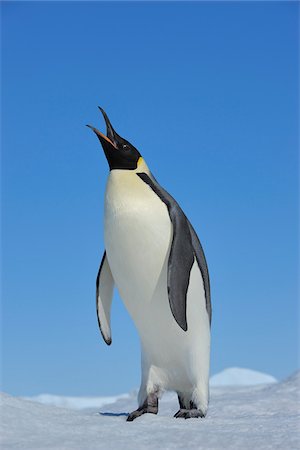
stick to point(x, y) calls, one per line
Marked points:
point(252, 417)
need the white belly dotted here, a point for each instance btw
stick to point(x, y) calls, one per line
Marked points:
point(138, 235)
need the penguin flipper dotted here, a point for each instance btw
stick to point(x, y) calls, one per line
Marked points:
point(182, 255)
point(104, 295)
point(202, 264)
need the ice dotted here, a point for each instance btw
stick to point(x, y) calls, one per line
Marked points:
point(243, 417)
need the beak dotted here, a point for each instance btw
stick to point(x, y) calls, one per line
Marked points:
point(101, 136)
point(110, 132)
point(112, 136)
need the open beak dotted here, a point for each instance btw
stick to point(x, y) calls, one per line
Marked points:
point(109, 130)
point(101, 135)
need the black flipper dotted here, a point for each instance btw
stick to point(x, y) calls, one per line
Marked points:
point(200, 257)
point(184, 248)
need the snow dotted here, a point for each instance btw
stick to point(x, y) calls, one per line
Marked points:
point(75, 402)
point(242, 417)
point(235, 376)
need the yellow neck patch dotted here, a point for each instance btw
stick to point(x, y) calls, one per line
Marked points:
point(140, 161)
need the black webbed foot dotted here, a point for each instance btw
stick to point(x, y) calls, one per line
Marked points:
point(150, 405)
point(189, 414)
point(140, 411)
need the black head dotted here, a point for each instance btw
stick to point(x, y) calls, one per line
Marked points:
point(120, 154)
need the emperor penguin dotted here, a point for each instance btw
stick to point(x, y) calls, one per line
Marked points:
point(155, 259)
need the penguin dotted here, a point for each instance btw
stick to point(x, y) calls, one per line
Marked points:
point(154, 258)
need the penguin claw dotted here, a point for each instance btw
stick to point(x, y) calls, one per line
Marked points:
point(133, 415)
point(181, 414)
point(139, 412)
point(189, 414)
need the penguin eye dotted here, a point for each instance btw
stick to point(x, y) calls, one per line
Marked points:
point(126, 147)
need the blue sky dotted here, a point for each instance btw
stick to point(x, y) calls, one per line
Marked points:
point(208, 92)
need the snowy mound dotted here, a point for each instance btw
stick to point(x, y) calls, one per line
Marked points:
point(75, 402)
point(236, 376)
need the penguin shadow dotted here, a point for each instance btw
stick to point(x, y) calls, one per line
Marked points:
point(111, 414)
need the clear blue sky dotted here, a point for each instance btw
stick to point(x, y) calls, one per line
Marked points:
point(208, 92)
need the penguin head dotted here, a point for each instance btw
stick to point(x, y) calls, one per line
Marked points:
point(120, 154)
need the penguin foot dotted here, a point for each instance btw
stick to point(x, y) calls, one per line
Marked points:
point(150, 405)
point(140, 411)
point(189, 413)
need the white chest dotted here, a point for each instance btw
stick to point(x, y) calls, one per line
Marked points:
point(137, 235)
